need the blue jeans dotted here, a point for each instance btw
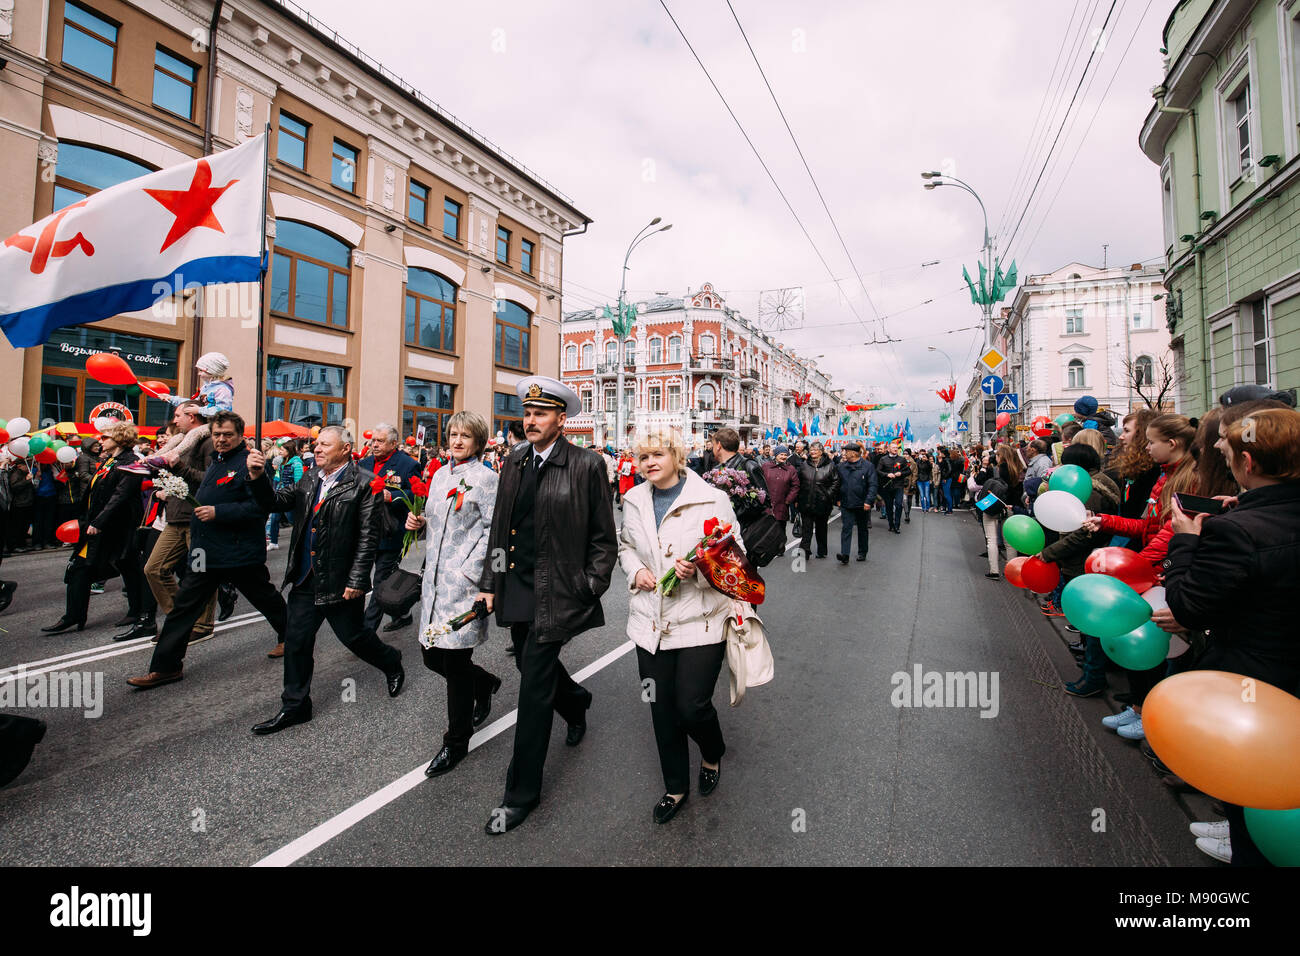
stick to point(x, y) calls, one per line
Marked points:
point(950, 490)
point(273, 525)
point(1094, 661)
point(924, 488)
point(849, 518)
point(893, 506)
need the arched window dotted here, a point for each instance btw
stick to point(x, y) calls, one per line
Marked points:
point(707, 396)
point(656, 351)
point(1143, 371)
point(513, 335)
point(706, 344)
point(82, 170)
point(1075, 374)
point(674, 348)
point(611, 351)
point(430, 310)
point(310, 273)
point(570, 357)
point(629, 352)
point(588, 355)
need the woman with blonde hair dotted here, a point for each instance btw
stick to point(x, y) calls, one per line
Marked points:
point(680, 637)
point(456, 522)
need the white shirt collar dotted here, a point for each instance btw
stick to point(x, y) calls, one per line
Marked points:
point(545, 453)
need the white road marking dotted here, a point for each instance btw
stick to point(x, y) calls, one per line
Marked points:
point(320, 835)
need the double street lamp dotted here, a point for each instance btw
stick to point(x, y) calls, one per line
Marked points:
point(623, 325)
point(953, 380)
point(933, 181)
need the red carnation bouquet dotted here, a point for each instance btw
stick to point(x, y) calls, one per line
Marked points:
point(415, 502)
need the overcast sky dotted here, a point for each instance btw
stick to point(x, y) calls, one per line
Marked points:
point(604, 100)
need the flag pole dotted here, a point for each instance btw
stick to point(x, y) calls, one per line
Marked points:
point(261, 289)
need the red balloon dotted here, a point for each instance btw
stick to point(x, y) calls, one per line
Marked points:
point(47, 456)
point(1040, 576)
point(367, 435)
point(410, 440)
point(4, 436)
point(110, 369)
point(1129, 566)
point(158, 387)
point(1004, 419)
point(1013, 568)
point(69, 532)
point(1041, 426)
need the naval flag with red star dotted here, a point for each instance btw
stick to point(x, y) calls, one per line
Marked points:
point(123, 248)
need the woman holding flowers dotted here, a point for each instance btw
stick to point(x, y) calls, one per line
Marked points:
point(675, 617)
point(456, 520)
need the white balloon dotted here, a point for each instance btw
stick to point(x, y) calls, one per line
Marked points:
point(1156, 598)
point(67, 454)
point(102, 422)
point(18, 426)
point(19, 447)
point(1177, 647)
point(1060, 511)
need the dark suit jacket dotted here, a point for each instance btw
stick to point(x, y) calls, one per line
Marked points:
point(403, 468)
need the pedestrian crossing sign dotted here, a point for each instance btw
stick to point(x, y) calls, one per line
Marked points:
point(963, 426)
point(1009, 402)
point(992, 359)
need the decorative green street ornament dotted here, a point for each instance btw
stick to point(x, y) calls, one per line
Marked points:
point(622, 326)
point(1002, 284)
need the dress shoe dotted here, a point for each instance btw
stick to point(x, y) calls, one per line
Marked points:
point(445, 760)
point(862, 557)
point(277, 651)
point(7, 589)
point(578, 730)
point(64, 625)
point(395, 681)
point(226, 599)
point(285, 718)
point(506, 818)
point(667, 807)
point(842, 558)
point(139, 629)
point(154, 679)
point(484, 707)
point(709, 779)
point(1077, 647)
point(398, 623)
point(22, 739)
point(198, 637)
point(126, 620)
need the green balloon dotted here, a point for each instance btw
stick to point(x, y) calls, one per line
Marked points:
point(1064, 418)
point(1103, 606)
point(1075, 481)
point(133, 391)
point(1276, 833)
point(58, 443)
point(36, 444)
point(1140, 649)
point(4, 423)
point(1024, 534)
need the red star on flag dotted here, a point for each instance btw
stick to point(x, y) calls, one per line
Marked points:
point(192, 207)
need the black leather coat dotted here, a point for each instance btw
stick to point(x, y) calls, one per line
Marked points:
point(347, 528)
point(576, 544)
point(819, 486)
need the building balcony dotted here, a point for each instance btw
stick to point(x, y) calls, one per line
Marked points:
point(712, 363)
point(749, 419)
point(749, 377)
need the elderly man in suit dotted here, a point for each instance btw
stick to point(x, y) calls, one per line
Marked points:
point(551, 552)
point(397, 468)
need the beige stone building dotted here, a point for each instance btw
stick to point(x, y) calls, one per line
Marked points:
point(415, 266)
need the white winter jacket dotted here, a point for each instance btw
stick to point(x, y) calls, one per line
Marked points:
point(694, 614)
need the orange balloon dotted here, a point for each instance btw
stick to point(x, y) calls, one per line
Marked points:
point(110, 369)
point(1233, 737)
point(1011, 571)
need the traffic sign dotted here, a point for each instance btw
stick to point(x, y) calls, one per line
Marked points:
point(963, 426)
point(991, 385)
point(1009, 402)
point(992, 359)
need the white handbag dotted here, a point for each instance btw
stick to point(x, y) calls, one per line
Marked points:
point(749, 658)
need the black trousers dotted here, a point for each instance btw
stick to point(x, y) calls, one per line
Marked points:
point(43, 522)
point(347, 620)
point(682, 707)
point(467, 683)
point(813, 524)
point(386, 563)
point(851, 518)
point(19, 520)
point(545, 688)
point(195, 591)
point(893, 506)
point(146, 608)
point(77, 604)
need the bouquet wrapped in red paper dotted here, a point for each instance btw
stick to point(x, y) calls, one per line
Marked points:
point(723, 564)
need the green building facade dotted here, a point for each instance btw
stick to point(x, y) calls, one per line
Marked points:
point(1224, 132)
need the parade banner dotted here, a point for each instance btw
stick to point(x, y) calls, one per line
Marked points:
point(123, 248)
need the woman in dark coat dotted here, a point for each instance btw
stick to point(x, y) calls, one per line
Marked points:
point(108, 544)
point(782, 482)
point(819, 489)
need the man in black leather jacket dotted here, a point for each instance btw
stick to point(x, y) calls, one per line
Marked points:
point(726, 453)
point(336, 532)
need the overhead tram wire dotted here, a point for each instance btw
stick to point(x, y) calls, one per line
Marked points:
point(808, 169)
point(759, 157)
point(1047, 215)
point(1058, 85)
point(1057, 138)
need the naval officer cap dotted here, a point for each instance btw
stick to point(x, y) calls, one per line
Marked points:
point(543, 392)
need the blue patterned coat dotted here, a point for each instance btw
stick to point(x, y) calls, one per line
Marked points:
point(457, 543)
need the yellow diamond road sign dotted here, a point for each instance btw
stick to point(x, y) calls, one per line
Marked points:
point(992, 359)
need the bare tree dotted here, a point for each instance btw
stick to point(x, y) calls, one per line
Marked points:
point(1152, 379)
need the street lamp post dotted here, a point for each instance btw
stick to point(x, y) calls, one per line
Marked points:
point(952, 379)
point(935, 181)
point(622, 327)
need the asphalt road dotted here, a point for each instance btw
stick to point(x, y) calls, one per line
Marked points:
point(821, 767)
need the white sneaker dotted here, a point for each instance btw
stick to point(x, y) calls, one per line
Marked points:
point(272, 546)
point(1218, 830)
point(1221, 850)
point(1125, 716)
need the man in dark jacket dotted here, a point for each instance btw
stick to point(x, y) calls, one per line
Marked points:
point(227, 544)
point(892, 472)
point(819, 489)
point(397, 468)
point(335, 534)
point(726, 454)
point(857, 492)
point(551, 554)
